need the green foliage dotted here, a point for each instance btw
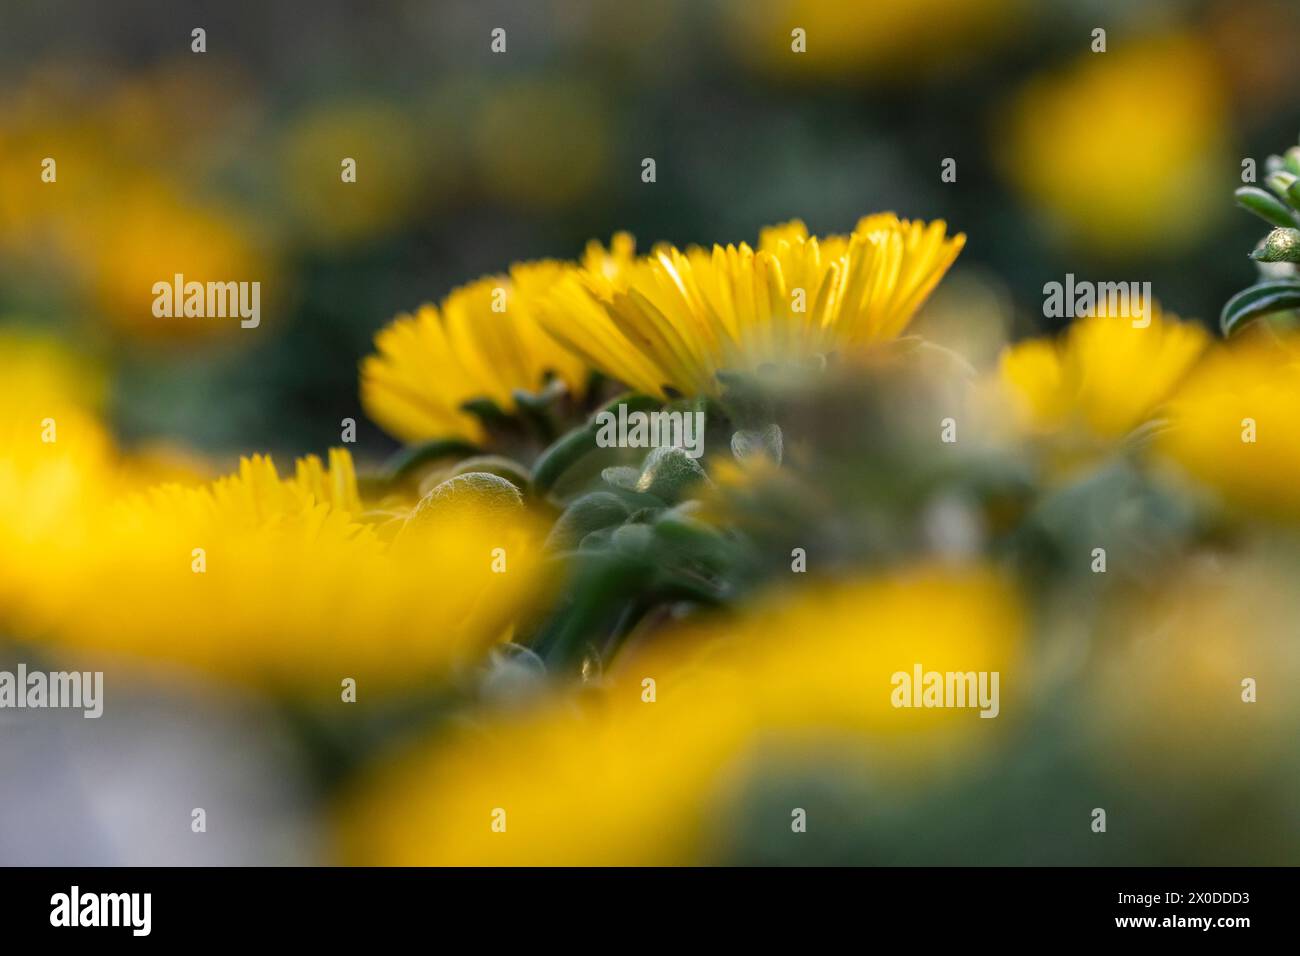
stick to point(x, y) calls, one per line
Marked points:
point(1261, 299)
point(1278, 293)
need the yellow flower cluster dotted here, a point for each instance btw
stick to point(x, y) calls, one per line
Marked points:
point(278, 579)
point(87, 197)
point(1222, 410)
point(661, 323)
point(256, 577)
point(623, 778)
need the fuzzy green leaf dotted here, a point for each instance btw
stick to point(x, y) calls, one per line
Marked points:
point(1259, 300)
point(560, 456)
point(592, 512)
point(1266, 206)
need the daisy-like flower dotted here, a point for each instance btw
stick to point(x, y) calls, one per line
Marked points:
point(483, 343)
point(1087, 389)
point(1232, 423)
point(57, 463)
point(673, 319)
point(279, 581)
point(1164, 94)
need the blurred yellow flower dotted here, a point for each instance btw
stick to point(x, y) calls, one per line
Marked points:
point(615, 779)
point(1233, 423)
point(42, 376)
point(49, 491)
point(149, 233)
point(278, 581)
point(255, 577)
point(850, 38)
point(562, 125)
point(57, 464)
point(395, 165)
point(485, 342)
point(113, 214)
point(1103, 377)
point(673, 319)
point(1123, 149)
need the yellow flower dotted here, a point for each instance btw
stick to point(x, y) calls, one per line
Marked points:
point(256, 577)
point(672, 319)
point(849, 38)
point(152, 232)
point(393, 164)
point(549, 115)
point(123, 214)
point(1123, 149)
point(57, 465)
point(1233, 423)
point(485, 342)
point(279, 581)
point(47, 488)
point(618, 780)
point(1090, 387)
point(41, 376)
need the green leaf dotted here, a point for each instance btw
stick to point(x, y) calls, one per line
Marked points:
point(575, 445)
point(592, 512)
point(1280, 182)
point(560, 456)
point(1249, 304)
point(633, 539)
point(691, 539)
point(596, 541)
point(1266, 206)
point(621, 476)
point(1291, 161)
point(669, 473)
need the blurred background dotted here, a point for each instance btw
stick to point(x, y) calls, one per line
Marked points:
point(1115, 167)
point(1112, 166)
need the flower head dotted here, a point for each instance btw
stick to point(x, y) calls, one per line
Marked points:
point(1099, 380)
point(1121, 151)
point(1232, 424)
point(483, 343)
point(876, 40)
point(279, 581)
point(673, 319)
